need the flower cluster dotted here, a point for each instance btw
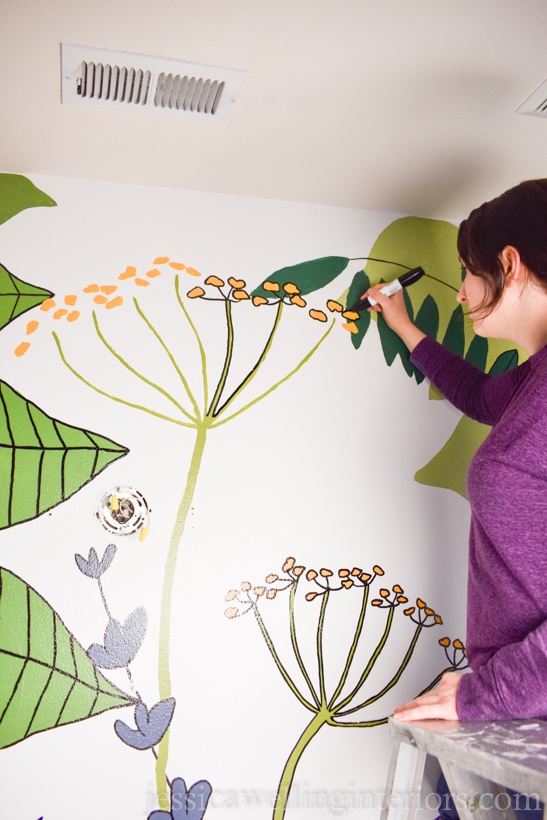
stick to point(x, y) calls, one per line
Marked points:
point(105, 295)
point(248, 595)
point(455, 652)
point(347, 579)
point(422, 614)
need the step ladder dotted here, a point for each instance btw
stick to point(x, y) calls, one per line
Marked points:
point(477, 759)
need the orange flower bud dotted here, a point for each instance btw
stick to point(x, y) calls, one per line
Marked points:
point(289, 564)
point(259, 591)
point(289, 287)
point(377, 602)
point(402, 600)
point(93, 288)
point(409, 611)
point(384, 593)
point(377, 570)
point(351, 314)
point(318, 315)
point(457, 644)
point(215, 281)
point(311, 595)
point(334, 307)
point(351, 327)
point(271, 578)
point(271, 593)
point(311, 575)
point(21, 349)
point(356, 571)
point(240, 294)
point(438, 619)
point(343, 573)
point(365, 576)
point(231, 612)
point(142, 283)
point(47, 304)
point(236, 283)
point(326, 573)
point(298, 571)
point(193, 272)
point(180, 266)
point(71, 299)
point(420, 603)
point(128, 273)
point(231, 594)
point(195, 293)
point(429, 611)
point(32, 327)
point(161, 260)
point(398, 589)
point(347, 583)
point(273, 287)
point(444, 641)
point(108, 289)
point(259, 300)
point(298, 301)
point(153, 273)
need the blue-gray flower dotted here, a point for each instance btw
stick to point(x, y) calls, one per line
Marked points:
point(121, 643)
point(151, 725)
point(94, 568)
point(186, 805)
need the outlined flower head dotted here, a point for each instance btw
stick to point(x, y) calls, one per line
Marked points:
point(455, 652)
point(422, 614)
point(94, 568)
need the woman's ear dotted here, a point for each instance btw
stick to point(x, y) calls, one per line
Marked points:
point(513, 267)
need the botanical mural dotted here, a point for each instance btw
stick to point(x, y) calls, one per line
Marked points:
point(200, 366)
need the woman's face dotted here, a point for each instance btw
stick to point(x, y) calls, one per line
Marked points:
point(472, 293)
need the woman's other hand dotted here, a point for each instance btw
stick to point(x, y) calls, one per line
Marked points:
point(440, 703)
point(394, 312)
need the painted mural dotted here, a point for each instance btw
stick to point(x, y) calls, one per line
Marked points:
point(48, 678)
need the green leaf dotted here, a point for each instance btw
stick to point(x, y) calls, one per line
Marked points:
point(448, 468)
point(477, 352)
point(505, 361)
point(47, 677)
point(16, 296)
point(359, 284)
point(17, 193)
point(427, 318)
point(307, 276)
point(42, 460)
point(454, 338)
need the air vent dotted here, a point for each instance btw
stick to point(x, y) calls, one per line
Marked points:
point(536, 104)
point(114, 80)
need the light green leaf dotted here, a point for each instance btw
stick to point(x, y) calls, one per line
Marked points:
point(17, 193)
point(16, 296)
point(42, 460)
point(47, 678)
point(307, 276)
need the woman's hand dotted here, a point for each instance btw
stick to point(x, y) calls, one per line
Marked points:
point(440, 703)
point(393, 310)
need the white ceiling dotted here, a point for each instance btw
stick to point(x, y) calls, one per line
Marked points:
point(397, 105)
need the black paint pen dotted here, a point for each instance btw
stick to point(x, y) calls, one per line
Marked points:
point(392, 287)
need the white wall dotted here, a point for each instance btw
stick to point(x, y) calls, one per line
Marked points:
point(322, 470)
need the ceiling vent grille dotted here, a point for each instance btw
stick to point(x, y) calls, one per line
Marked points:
point(536, 104)
point(95, 78)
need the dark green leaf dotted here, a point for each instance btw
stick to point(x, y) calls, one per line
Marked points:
point(505, 361)
point(307, 276)
point(360, 283)
point(17, 193)
point(478, 352)
point(392, 345)
point(16, 296)
point(47, 677)
point(42, 460)
point(427, 318)
point(454, 338)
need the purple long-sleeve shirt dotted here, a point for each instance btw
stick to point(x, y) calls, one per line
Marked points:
point(507, 490)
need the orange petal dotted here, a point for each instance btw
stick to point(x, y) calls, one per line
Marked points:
point(445, 642)
point(289, 287)
point(195, 293)
point(21, 349)
point(32, 326)
point(129, 272)
point(47, 304)
point(297, 300)
point(420, 603)
point(351, 327)
point(60, 313)
point(215, 281)
point(101, 300)
point(115, 302)
point(142, 283)
point(73, 315)
point(351, 314)
point(236, 283)
point(71, 299)
point(161, 260)
point(180, 266)
point(153, 273)
point(378, 570)
point(271, 286)
point(240, 294)
point(259, 300)
point(108, 289)
point(318, 315)
point(193, 272)
point(334, 306)
point(91, 289)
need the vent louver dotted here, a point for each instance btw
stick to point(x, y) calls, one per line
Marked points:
point(95, 78)
point(536, 104)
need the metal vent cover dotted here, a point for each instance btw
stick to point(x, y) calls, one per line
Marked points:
point(115, 80)
point(536, 104)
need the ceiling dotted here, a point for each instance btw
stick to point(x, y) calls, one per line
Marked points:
point(397, 105)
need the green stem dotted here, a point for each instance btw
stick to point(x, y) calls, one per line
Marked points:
point(393, 680)
point(110, 396)
point(353, 648)
point(250, 376)
point(164, 673)
point(136, 373)
point(359, 724)
point(227, 361)
point(200, 344)
point(286, 677)
point(281, 381)
point(295, 646)
point(320, 660)
point(172, 359)
point(369, 665)
point(287, 776)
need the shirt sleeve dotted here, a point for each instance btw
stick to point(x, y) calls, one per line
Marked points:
point(478, 395)
point(510, 685)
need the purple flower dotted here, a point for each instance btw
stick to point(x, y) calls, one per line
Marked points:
point(121, 643)
point(186, 805)
point(94, 568)
point(151, 725)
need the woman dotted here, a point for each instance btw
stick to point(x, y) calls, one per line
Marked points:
point(503, 247)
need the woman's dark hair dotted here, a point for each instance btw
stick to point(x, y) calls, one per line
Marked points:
point(517, 218)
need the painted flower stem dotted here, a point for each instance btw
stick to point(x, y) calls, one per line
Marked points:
point(296, 648)
point(353, 648)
